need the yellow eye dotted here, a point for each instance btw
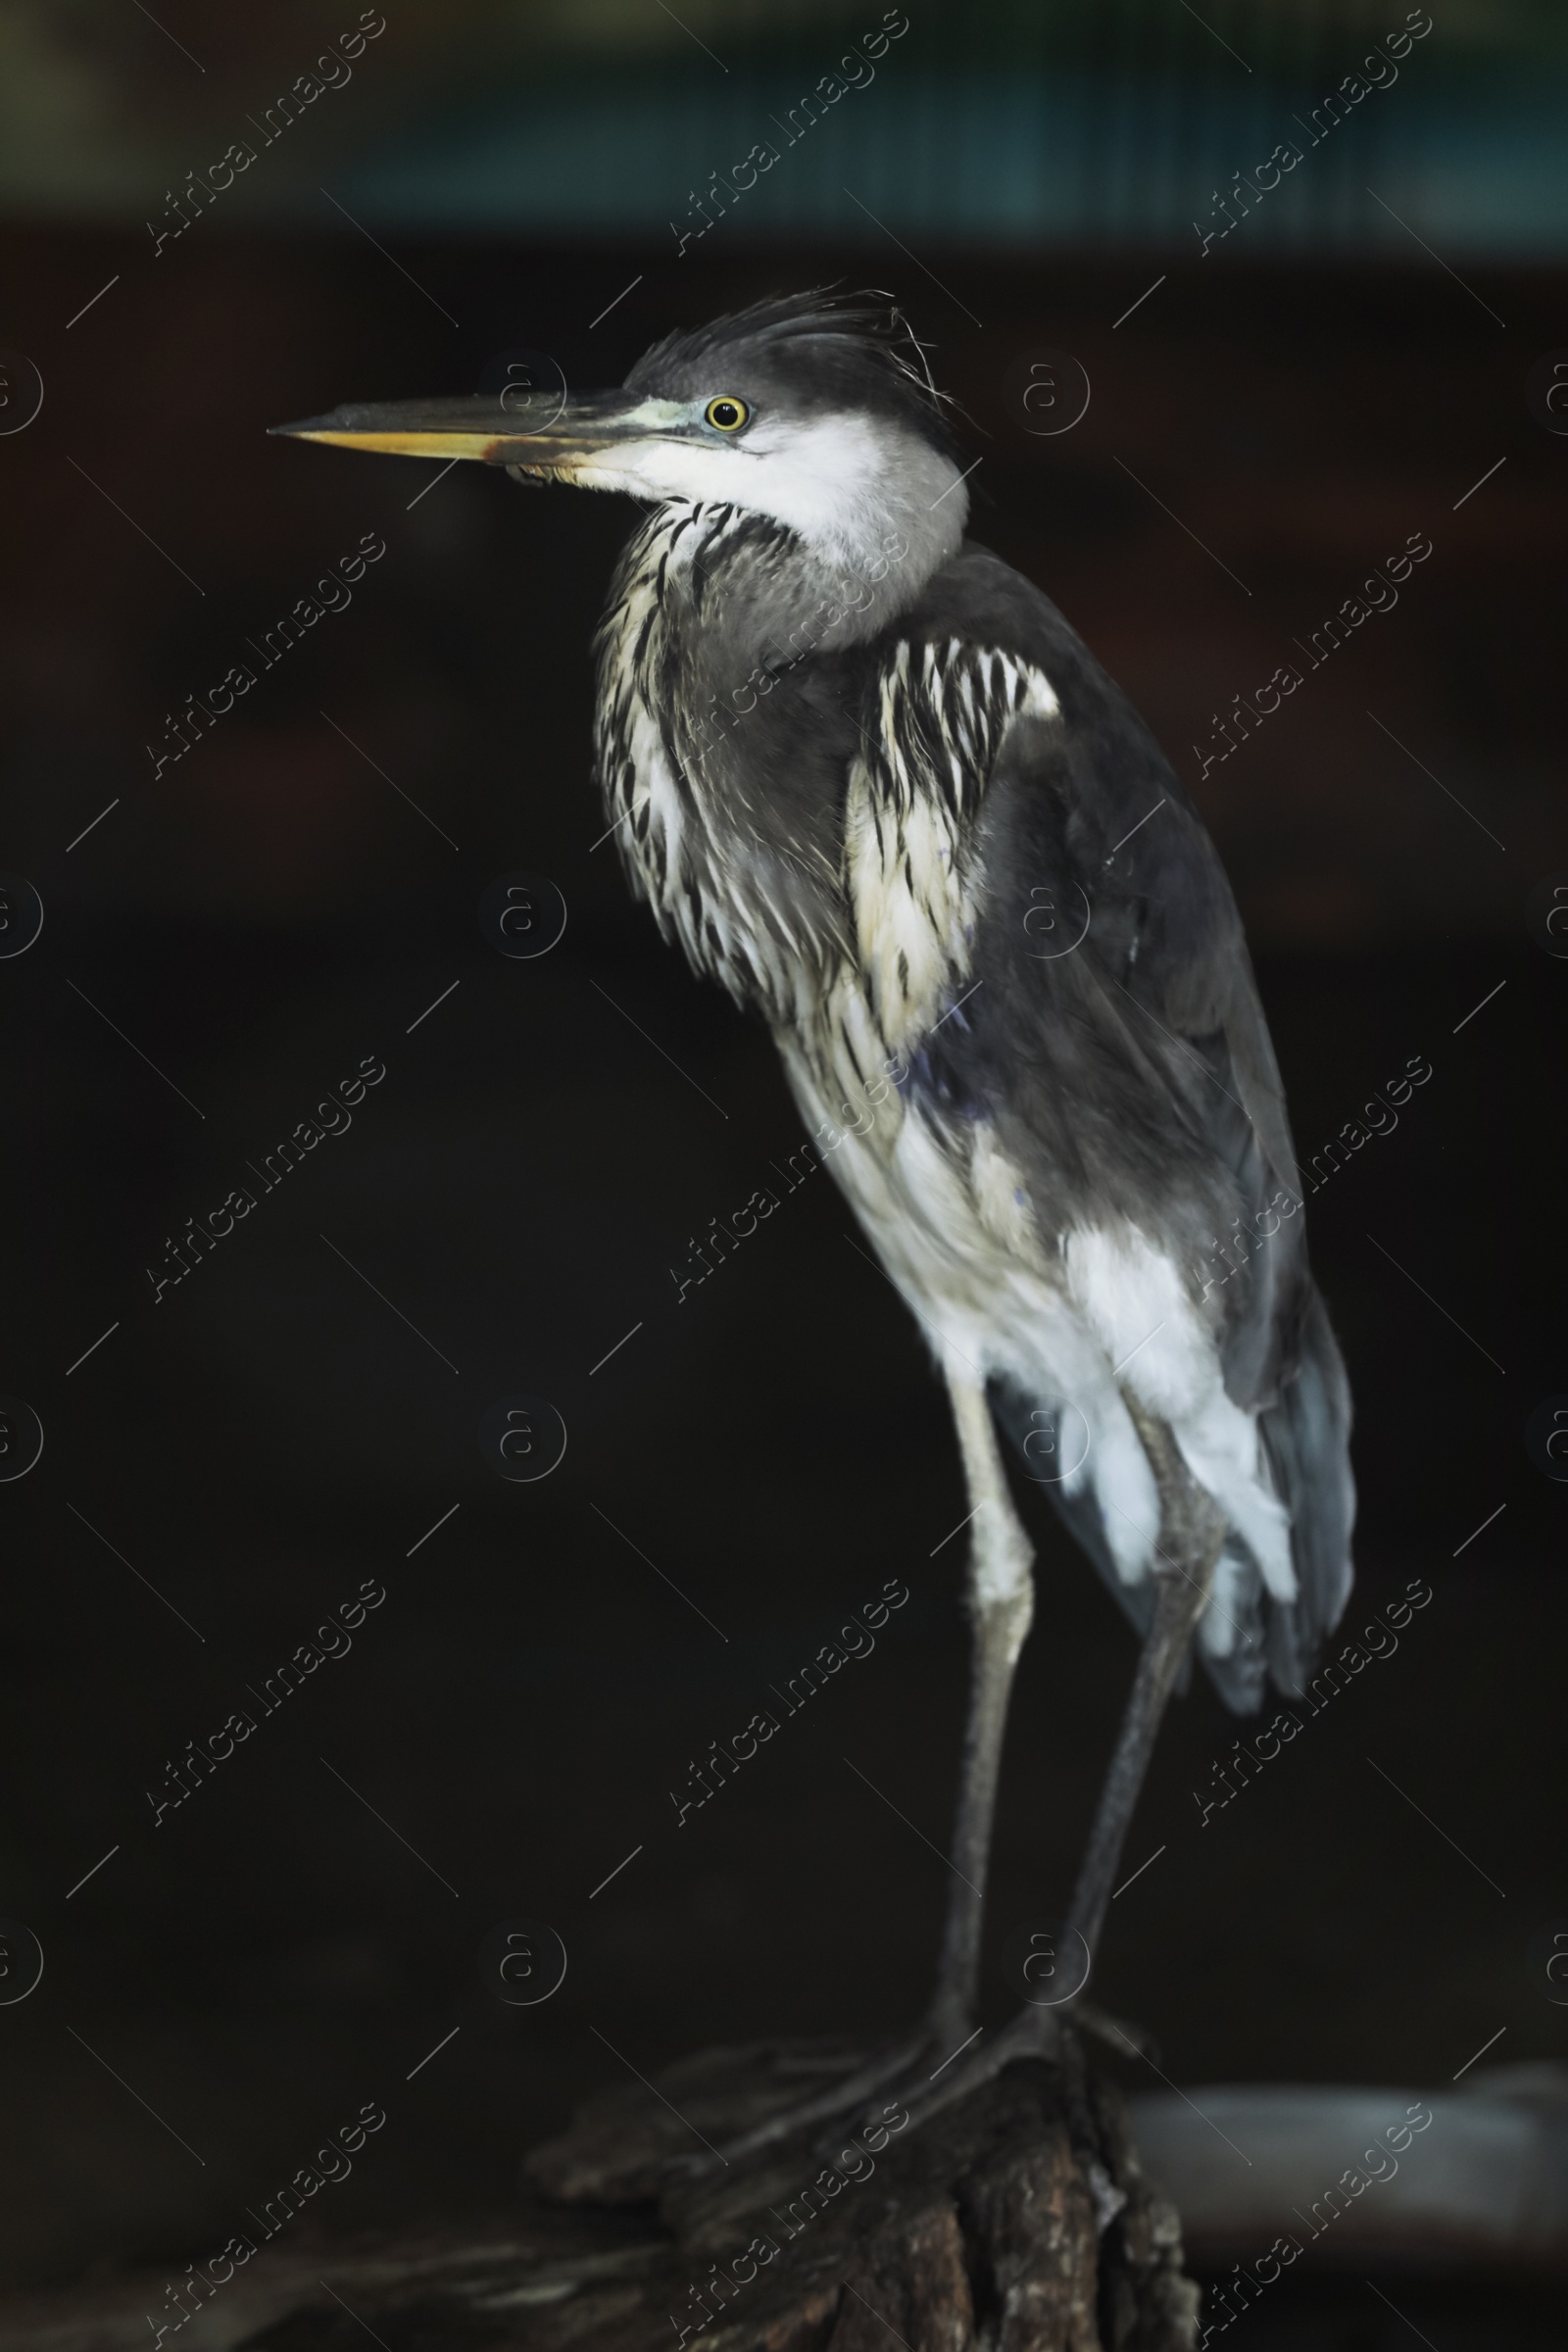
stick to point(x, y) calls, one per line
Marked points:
point(726, 415)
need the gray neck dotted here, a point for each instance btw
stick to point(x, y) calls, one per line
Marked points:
point(731, 666)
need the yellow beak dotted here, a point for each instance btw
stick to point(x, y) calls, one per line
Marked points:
point(558, 432)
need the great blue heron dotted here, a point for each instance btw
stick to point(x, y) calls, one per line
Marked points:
point(875, 786)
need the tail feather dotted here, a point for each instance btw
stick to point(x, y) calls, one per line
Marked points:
point(1306, 1438)
point(1307, 1445)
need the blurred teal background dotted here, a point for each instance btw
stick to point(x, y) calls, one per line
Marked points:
point(1005, 123)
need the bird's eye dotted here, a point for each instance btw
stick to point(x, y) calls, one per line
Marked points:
point(726, 415)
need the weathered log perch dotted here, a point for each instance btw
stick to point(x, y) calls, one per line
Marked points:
point(981, 2231)
point(1017, 2218)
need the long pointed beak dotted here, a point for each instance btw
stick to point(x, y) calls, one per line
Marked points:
point(557, 435)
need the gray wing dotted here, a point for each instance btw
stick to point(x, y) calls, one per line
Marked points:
point(1135, 1071)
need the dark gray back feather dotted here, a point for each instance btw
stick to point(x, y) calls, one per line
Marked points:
point(1135, 1075)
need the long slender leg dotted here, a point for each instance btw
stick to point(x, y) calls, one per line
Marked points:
point(1192, 1534)
point(1001, 1604)
point(1177, 1608)
point(1000, 1608)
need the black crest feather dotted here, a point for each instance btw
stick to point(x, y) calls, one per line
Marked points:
point(818, 351)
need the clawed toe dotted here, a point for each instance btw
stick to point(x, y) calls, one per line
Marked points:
point(1033, 2032)
point(1116, 2033)
point(898, 2086)
point(898, 2067)
point(904, 2083)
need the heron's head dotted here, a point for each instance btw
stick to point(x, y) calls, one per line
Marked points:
point(816, 412)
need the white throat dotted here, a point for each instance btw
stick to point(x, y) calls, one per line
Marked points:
point(844, 485)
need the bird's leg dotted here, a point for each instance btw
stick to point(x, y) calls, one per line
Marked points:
point(1192, 1537)
point(1000, 1608)
point(1001, 1603)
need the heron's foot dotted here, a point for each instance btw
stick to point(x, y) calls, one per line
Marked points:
point(901, 2084)
point(1035, 2030)
point(1116, 2033)
point(880, 2086)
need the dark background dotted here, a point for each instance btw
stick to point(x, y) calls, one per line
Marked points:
point(547, 1141)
